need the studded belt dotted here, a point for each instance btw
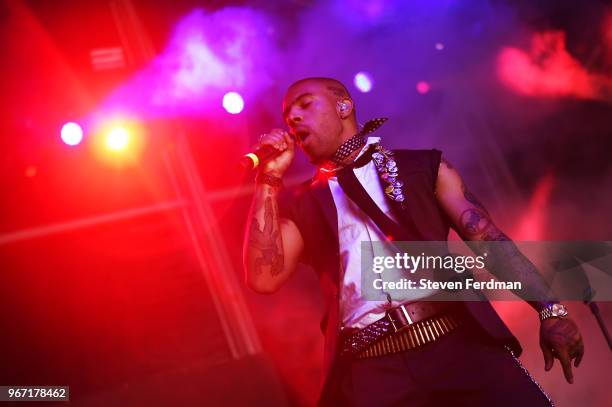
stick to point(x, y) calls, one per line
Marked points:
point(402, 328)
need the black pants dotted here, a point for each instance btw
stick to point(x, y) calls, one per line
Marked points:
point(462, 368)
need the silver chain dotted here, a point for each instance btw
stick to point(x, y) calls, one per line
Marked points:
point(533, 380)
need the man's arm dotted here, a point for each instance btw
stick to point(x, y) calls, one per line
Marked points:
point(473, 223)
point(559, 337)
point(272, 245)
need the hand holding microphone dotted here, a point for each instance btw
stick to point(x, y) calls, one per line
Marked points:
point(274, 155)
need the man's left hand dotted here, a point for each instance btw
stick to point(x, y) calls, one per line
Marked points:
point(560, 338)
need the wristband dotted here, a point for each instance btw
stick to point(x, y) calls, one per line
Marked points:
point(271, 180)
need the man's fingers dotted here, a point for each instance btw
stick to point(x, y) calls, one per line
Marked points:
point(549, 359)
point(578, 360)
point(566, 363)
point(289, 140)
point(579, 354)
point(284, 140)
point(271, 139)
point(277, 138)
point(561, 338)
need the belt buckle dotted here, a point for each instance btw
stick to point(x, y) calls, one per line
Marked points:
point(406, 315)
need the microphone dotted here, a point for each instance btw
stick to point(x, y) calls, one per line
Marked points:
point(254, 159)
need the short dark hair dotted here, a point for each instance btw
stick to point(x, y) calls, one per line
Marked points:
point(333, 85)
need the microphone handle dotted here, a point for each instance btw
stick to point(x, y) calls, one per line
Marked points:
point(252, 160)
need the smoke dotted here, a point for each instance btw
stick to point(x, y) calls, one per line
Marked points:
point(549, 70)
point(207, 55)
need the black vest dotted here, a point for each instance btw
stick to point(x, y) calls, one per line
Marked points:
point(312, 208)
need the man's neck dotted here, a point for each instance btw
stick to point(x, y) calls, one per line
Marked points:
point(349, 132)
point(348, 160)
point(353, 129)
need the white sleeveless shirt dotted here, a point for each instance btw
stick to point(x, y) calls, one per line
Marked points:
point(354, 227)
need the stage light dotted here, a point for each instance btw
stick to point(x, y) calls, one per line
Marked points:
point(363, 82)
point(117, 139)
point(71, 134)
point(233, 102)
point(422, 87)
point(439, 46)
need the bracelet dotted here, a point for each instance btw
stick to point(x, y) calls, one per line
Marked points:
point(271, 180)
point(553, 310)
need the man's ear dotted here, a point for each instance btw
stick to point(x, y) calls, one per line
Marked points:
point(344, 107)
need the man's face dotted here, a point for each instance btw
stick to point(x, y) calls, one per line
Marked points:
point(310, 111)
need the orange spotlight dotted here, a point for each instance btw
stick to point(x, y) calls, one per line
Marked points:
point(119, 141)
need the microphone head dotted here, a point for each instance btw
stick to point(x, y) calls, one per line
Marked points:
point(249, 161)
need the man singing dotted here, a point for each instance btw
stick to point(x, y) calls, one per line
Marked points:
point(392, 352)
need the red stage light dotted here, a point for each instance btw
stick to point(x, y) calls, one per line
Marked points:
point(422, 87)
point(533, 224)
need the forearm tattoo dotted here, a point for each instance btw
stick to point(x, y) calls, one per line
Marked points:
point(267, 240)
point(504, 259)
point(472, 199)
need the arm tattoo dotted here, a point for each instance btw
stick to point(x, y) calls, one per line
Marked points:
point(472, 199)
point(267, 241)
point(505, 259)
point(466, 192)
point(474, 222)
point(469, 196)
